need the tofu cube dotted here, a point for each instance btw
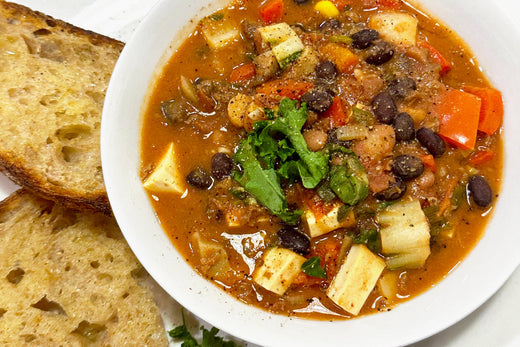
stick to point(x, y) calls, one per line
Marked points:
point(276, 33)
point(166, 177)
point(288, 51)
point(395, 27)
point(356, 279)
point(319, 225)
point(213, 257)
point(219, 33)
point(280, 268)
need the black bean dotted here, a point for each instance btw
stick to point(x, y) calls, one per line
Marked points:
point(384, 107)
point(403, 127)
point(380, 53)
point(301, 2)
point(395, 191)
point(408, 166)
point(330, 24)
point(318, 99)
point(364, 38)
point(294, 240)
point(199, 178)
point(431, 141)
point(326, 70)
point(401, 87)
point(221, 165)
point(480, 190)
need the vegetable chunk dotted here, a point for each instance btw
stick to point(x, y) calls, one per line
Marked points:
point(280, 268)
point(285, 43)
point(272, 11)
point(458, 113)
point(356, 278)
point(343, 57)
point(166, 176)
point(395, 27)
point(492, 108)
point(405, 235)
point(320, 225)
point(276, 33)
point(219, 33)
point(213, 257)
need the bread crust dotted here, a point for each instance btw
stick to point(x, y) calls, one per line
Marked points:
point(14, 164)
point(20, 11)
point(25, 178)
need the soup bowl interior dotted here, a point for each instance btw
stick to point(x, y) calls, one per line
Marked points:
point(468, 286)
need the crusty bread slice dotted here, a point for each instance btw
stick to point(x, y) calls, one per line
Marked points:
point(69, 279)
point(53, 79)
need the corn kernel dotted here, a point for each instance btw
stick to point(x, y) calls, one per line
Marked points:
point(326, 8)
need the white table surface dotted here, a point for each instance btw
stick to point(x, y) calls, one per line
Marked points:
point(496, 323)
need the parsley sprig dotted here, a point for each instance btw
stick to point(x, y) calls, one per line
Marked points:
point(209, 337)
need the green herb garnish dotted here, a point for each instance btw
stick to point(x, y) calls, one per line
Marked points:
point(209, 337)
point(269, 114)
point(349, 181)
point(266, 159)
point(370, 238)
point(263, 184)
point(312, 267)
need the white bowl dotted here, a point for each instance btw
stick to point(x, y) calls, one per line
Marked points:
point(488, 28)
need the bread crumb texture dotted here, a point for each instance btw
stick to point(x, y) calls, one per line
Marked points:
point(53, 79)
point(69, 279)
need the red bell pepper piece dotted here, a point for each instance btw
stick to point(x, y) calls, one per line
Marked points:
point(285, 88)
point(458, 113)
point(429, 162)
point(492, 110)
point(336, 113)
point(437, 57)
point(272, 11)
point(481, 157)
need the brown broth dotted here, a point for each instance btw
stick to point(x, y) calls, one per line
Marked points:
point(182, 216)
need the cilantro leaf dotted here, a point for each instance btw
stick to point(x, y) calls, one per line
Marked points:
point(209, 337)
point(263, 184)
point(312, 267)
point(266, 159)
point(181, 333)
point(312, 166)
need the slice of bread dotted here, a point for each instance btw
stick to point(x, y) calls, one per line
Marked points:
point(69, 279)
point(53, 79)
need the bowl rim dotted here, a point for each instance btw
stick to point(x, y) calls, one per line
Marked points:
point(120, 150)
